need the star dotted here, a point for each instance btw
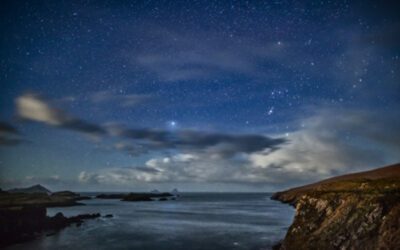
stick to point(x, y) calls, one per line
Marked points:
point(172, 124)
point(270, 111)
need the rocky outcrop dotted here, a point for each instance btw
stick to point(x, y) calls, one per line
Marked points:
point(137, 197)
point(361, 212)
point(70, 195)
point(110, 196)
point(19, 224)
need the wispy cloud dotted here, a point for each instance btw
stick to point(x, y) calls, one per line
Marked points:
point(9, 135)
point(124, 100)
point(326, 144)
point(216, 144)
point(323, 145)
point(35, 108)
point(179, 56)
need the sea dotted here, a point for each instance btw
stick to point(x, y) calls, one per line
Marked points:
point(199, 221)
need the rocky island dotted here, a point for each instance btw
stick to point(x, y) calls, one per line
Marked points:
point(355, 211)
point(137, 196)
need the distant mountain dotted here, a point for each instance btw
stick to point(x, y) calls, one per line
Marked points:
point(33, 189)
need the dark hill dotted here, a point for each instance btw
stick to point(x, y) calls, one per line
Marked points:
point(29, 190)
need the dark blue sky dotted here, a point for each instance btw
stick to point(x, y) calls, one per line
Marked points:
point(200, 95)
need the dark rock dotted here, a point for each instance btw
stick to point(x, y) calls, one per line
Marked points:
point(57, 222)
point(277, 246)
point(108, 216)
point(111, 196)
point(19, 224)
point(137, 197)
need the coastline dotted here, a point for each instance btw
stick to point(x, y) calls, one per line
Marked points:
point(204, 220)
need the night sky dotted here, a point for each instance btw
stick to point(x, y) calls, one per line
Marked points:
point(197, 95)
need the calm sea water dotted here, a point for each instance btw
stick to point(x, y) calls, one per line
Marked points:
point(195, 221)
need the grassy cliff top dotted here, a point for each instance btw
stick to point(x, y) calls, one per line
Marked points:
point(385, 180)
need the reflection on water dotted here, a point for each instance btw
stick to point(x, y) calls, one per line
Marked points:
point(195, 221)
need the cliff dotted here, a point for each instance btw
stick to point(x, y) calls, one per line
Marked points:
point(356, 211)
point(19, 224)
point(23, 213)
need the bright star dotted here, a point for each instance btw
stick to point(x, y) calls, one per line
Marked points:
point(172, 124)
point(270, 111)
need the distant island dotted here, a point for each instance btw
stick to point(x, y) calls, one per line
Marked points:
point(354, 211)
point(153, 196)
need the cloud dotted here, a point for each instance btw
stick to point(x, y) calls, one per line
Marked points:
point(323, 145)
point(121, 176)
point(151, 135)
point(179, 56)
point(216, 144)
point(189, 168)
point(6, 128)
point(33, 107)
point(327, 145)
point(177, 168)
point(130, 148)
point(129, 100)
point(181, 168)
point(227, 145)
point(9, 135)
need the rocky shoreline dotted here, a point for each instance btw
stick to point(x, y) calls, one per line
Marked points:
point(357, 211)
point(20, 224)
point(23, 213)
